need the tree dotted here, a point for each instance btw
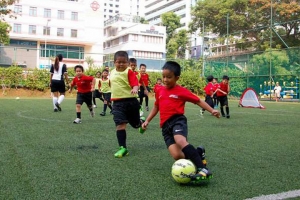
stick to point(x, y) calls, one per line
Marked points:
point(172, 22)
point(4, 27)
point(143, 21)
point(182, 41)
point(249, 18)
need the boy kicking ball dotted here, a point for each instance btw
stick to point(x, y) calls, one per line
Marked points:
point(170, 100)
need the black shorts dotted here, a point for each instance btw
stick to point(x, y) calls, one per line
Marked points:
point(84, 98)
point(223, 100)
point(107, 96)
point(176, 125)
point(58, 86)
point(127, 111)
point(97, 94)
point(209, 101)
point(142, 91)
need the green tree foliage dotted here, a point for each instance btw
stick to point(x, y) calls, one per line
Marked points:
point(37, 79)
point(182, 41)
point(249, 19)
point(4, 27)
point(11, 76)
point(172, 22)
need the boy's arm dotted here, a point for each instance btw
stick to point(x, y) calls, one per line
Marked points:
point(71, 86)
point(205, 106)
point(93, 84)
point(151, 115)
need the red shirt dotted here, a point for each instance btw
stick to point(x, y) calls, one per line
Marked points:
point(157, 87)
point(216, 86)
point(144, 78)
point(83, 83)
point(172, 101)
point(224, 88)
point(209, 89)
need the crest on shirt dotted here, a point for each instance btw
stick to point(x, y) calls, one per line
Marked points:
point(174, 96)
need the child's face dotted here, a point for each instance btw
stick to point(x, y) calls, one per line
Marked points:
point(98, 75)
point(121, 63)
point(132, 65)
point(169, 79)
point(158, 82)
point(78, 72)
point(214, 81)
point(225, 81)
point(104, 74)
point(142, 69)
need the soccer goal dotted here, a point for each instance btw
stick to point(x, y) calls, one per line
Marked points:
point(249, 99)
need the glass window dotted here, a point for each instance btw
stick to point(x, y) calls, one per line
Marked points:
point(17, 28)
point(74, 16)
point(18, 9)
point(46, 30)
point(74, 33)
point(60, 14)
point(60, 32)
point(32, 29)
point(47, 13)
point(32, 11)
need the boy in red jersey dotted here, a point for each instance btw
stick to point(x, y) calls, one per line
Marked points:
point(158, 85)
point(85, 87)
point(216, 87)
point(222, 93)
point(144, 88)
point(209, 92)
point(124, 90)
point(170, 101)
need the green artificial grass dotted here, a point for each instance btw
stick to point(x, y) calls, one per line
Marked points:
point(45, 156)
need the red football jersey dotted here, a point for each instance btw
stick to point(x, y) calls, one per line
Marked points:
point(209, 88)
point(224, 88)
point(144, 79)
point(172, 101)
point(83, 83)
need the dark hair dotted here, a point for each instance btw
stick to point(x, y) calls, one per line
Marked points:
point(58, 59)
point(210, 78)
point(173, 67)
point(216, 79)
point(98, 72)
point(79, 66)
point(225, 77)
point(143, 65)
point(120, 54)
point(158, 79)
point(105, 70)
point(132, 60)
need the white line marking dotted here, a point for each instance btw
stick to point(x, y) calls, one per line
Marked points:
point(283, 195)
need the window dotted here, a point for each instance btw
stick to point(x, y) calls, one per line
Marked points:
point(60, 32)
point(17, 28)
point(32, 11)
point(32, 29)
point(116, 11)
point(60, 14)
point(18, 9)
point(46, 30)
point(117, 6)
point(74, 33)
point(110, 11)
point(47, 13)
point(134, 37)
point(74, 16)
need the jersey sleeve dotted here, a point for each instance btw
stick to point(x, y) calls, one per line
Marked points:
point(189, 96)
point(132, 79)
point(64, 69)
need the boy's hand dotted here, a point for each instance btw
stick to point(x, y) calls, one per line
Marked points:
point(144, 125)
point(215, 113)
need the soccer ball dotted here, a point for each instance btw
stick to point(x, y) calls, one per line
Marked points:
point(182, 169)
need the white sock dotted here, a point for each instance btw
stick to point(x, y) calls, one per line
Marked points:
point(60, 99)
point(54, 99)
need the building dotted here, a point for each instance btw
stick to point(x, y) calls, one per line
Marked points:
point(155, 8)
point(146, 43)
point(43, 29)
point(128, 7)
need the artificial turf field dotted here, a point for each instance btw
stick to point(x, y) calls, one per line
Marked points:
point(43, 155)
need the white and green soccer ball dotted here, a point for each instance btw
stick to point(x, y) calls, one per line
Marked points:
point(182, 169)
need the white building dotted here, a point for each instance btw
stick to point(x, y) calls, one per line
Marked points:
point(146, 43)
point(45, 28)
point(155, 8)
point(127, 7)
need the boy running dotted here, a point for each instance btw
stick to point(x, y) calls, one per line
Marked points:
point(222, 93)
point(209, 92)
point(105, 89)
point(124, 90)
point(85, 87)
point(170, 102)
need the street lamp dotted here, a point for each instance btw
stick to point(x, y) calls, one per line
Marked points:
point(48, 20)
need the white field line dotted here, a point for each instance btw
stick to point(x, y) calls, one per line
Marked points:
point(19, 114)
point(283, 195)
